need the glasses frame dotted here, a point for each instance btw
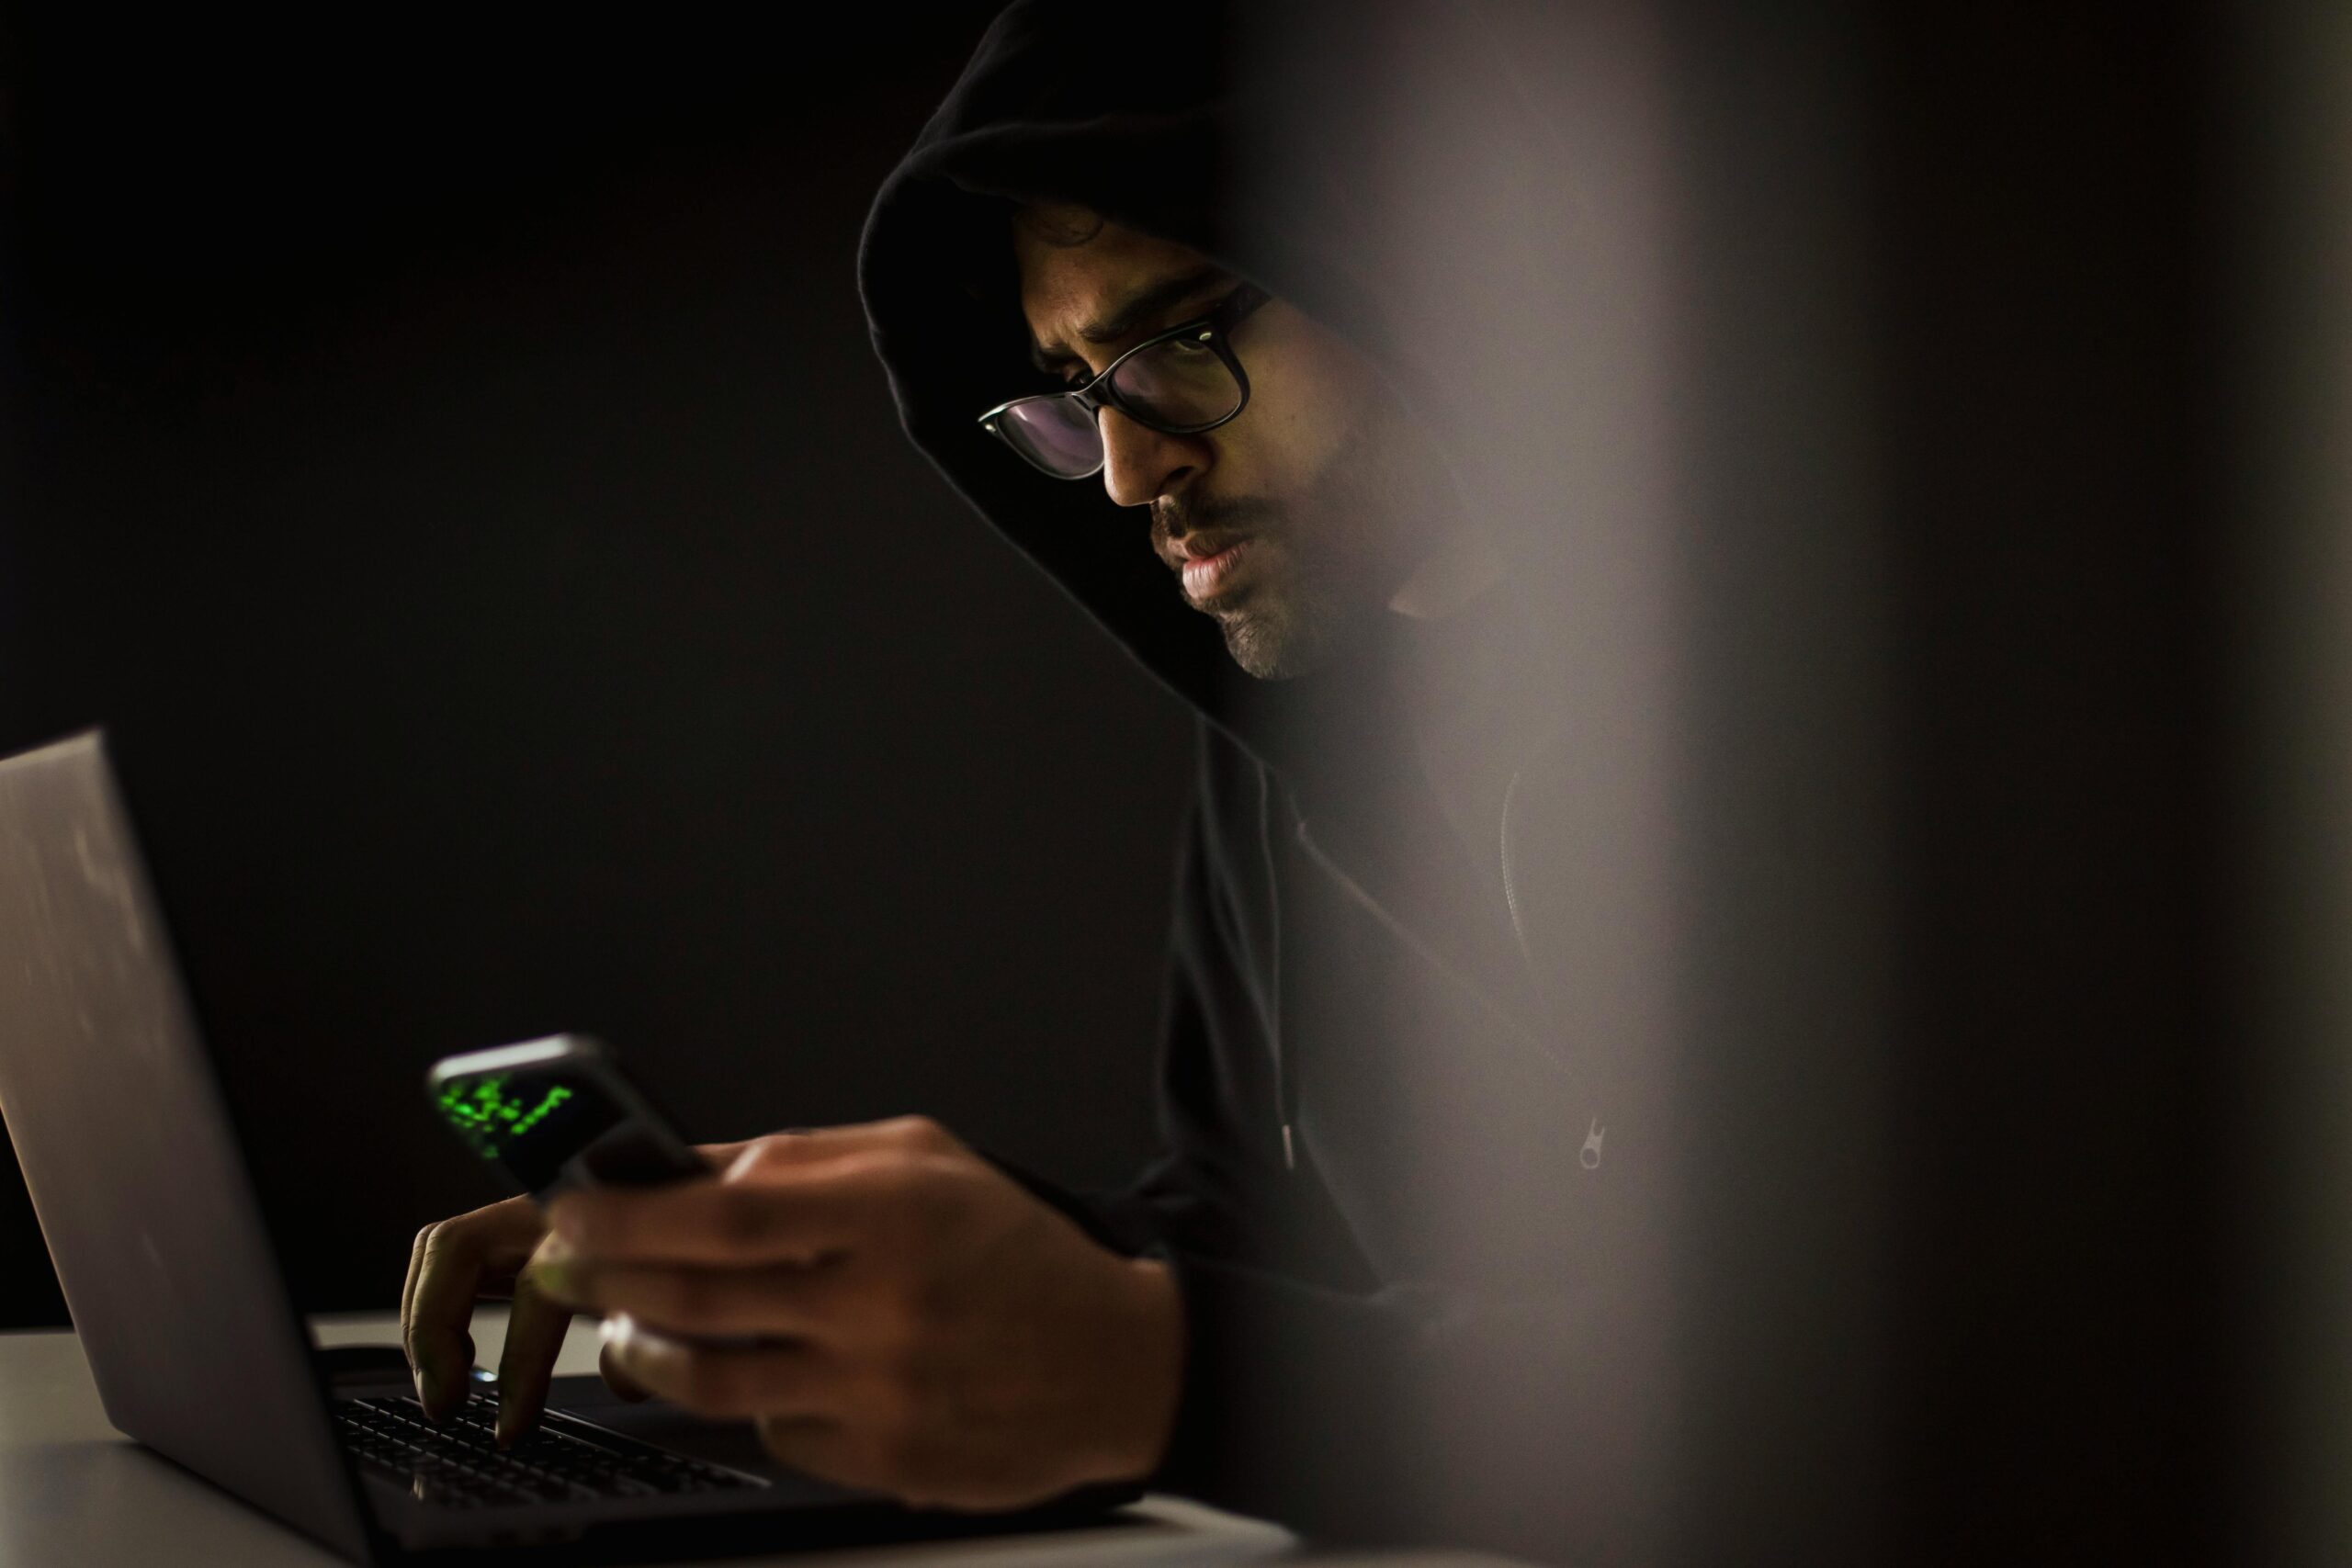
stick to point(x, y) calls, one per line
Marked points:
point(1099, 393)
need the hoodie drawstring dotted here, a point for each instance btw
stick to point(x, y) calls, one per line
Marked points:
point(1285, 1071)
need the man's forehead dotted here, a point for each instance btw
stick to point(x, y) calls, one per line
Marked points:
point(1076, 294)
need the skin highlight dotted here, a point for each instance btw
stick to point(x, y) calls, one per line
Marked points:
point(1336, 497)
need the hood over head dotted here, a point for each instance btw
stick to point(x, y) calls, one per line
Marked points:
point(1211, 133)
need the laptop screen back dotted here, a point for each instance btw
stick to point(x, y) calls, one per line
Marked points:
point(134, 1171)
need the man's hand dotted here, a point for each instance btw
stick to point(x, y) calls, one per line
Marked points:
point(926, 1328)
point(492, 1252)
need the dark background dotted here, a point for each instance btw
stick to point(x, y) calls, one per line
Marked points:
point(444, 447)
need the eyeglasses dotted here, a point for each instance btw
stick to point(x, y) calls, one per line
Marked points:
point(1180, 382)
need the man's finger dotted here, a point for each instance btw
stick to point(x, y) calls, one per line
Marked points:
point(792, 1216)
point(534, 1331)
point(407, 1286)
point(619, 1382)
point(784, 1379)
point(824, 1302)
point(812, 1146)
point(443, 1272)
point(446, 1273)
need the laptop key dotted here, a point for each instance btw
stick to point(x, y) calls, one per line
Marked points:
point(458, 1463)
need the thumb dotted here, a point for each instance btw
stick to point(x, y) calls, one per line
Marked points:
point(618, 1381)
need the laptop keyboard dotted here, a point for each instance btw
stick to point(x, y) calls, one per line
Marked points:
point(459, 1464)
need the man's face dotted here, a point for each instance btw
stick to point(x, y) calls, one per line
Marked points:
point(1294, 522)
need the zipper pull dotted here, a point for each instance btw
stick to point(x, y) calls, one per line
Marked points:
point(1290, 1155)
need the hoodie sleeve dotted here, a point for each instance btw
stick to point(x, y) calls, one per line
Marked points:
point(1315, 1394)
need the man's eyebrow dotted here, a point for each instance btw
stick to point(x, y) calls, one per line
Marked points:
point(1151, 300)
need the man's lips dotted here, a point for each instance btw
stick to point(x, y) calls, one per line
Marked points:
point(1207, 571)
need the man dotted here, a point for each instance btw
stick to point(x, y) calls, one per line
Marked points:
point(1395, 1274)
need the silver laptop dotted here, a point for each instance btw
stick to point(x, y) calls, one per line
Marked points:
point(167, 1268)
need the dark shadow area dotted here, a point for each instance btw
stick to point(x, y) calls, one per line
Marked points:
point(447, 452)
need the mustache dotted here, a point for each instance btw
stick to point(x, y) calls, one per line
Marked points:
point(1172, 519)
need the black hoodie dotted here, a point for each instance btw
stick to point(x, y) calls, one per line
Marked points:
point(1413, 1187)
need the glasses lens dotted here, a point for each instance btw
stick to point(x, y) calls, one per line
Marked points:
point(1055, 433)
point(1181, 384)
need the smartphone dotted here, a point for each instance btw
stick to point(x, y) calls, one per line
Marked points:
point(557, 1114)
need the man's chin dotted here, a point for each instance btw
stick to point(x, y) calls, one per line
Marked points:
point(1271, 647)
point(1275, 632)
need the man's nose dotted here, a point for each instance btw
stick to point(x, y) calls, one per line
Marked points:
point(1139, 465)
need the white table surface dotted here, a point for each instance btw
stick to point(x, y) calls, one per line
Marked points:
point(75, 1492)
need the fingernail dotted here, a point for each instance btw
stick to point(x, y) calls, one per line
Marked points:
point(419, 1376)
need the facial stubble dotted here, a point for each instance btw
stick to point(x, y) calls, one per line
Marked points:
point(1339, 560)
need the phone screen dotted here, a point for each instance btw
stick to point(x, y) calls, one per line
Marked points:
point(561, 1124)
